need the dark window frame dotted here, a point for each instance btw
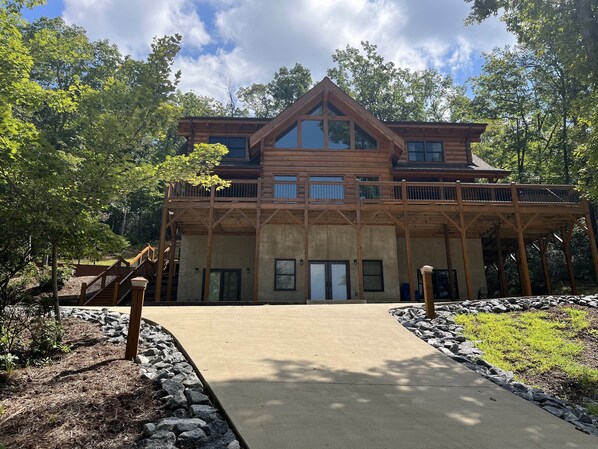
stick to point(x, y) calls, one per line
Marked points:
point(425, 151)
point(226, 156)
point(294, 275)
point(381, 275)
point(326, 117)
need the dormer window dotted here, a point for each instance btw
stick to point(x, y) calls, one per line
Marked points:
point(325, 127)
point(237, 146)
point(425, 151)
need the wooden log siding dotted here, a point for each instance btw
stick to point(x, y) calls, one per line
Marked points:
point(305, 163)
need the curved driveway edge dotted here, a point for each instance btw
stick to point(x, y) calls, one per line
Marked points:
point(349, 376)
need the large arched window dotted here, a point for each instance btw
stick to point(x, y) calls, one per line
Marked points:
point(325, 127)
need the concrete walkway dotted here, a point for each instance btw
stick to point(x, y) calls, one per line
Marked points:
point(350, 377)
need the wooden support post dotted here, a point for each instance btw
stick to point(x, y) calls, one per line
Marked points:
point(206, 280)
point(306, 242)
point(171, 262)
point(567, 235)
point(526, 283)
point(258, 234)
point(591, 237)
point(137, 296)
point(359, 256)
point(83, 293)
point(543, 247)
point(464, 247)
point(161, 247)
point(410, 265)
point(449, 262)
point(501, 264)
point(426, 271)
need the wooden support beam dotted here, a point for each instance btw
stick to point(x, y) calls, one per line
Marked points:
point(526, 283)
point(206, 280)
point(543, 245)
point(501, 264)
point(464, 247)
point(410, 265)
point(567, 236)
point(591, 237)
point(171, 262)
point(449, 262)
point(161, 246)
point(359, 255)
point(306, 227)
point(258, 234)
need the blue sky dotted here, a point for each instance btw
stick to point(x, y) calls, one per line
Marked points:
point(245, 41)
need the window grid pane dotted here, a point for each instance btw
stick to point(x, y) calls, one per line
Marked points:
point(373, 279)
point(284, 274)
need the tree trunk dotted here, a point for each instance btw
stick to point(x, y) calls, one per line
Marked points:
point(123, 224)
point(55, 282)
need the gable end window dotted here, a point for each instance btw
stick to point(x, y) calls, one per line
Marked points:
point(237, 146)
point(325, 127)
point(284, 275)
point(373, 279)
point(424, 151)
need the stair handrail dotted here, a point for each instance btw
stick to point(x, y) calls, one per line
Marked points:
point(101, 277)
point(123, 288)
point(148, 251)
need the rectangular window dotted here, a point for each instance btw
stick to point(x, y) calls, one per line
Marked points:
point(285, 189)
point(236, 145)
point(373, 279)
point(284, 275)
point(326, 187)
point(225, 284)
point(425, 151)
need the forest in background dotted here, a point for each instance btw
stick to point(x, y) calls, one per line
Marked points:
point(88, 135)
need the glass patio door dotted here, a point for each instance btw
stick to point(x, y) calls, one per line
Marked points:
point(329, 280)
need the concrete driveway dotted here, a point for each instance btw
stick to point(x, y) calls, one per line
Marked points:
point(349, 376)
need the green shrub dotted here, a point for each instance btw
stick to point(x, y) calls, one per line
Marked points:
point(44, 277)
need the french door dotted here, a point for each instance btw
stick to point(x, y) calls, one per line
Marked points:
point(329, 280)
point(225, 285)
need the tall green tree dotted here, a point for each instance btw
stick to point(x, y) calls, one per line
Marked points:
point(95, 118)
point(394, 93)
point(563, 34)
point(268, 100)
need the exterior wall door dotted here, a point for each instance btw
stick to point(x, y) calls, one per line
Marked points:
point(225, 285)
point(329, 280)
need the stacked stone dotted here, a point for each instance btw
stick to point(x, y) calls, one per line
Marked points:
point(445, 335)
point(194, 421)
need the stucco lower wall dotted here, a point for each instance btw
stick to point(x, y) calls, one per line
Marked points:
point(432, 252)
point(235, 252)
point(337, 243)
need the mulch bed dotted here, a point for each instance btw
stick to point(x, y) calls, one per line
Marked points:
point(88, 398)
point(556, 382)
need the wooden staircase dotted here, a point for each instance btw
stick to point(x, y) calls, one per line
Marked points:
point(113, 286)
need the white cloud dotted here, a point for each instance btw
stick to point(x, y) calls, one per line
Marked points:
point(251, 39)
point(131, 24)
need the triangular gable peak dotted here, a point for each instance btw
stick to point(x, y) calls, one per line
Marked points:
point(327, 118)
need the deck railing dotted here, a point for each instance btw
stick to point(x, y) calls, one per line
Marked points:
point(350, 192)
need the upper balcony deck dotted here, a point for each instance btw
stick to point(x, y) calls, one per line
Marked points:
point(360, 194)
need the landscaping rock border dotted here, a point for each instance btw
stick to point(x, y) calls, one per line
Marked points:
point(445, 335)
point(194, 421)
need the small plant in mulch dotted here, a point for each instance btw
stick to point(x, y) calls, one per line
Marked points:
point(28, 333)
point(556, 349)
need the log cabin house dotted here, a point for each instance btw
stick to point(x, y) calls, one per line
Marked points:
point(328, 203)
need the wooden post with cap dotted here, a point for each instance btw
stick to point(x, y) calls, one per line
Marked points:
point(426, 271)
point(138, 293)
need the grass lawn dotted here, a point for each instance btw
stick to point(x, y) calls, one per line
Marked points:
point(556, 350)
